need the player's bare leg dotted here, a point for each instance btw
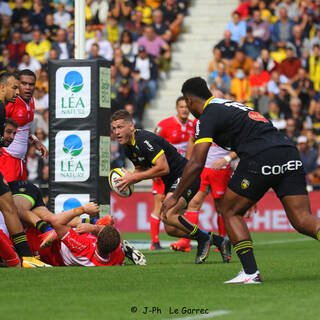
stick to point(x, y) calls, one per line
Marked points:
point(298, 211)
point(234, 208)
point(192, 213)
point(178, 226)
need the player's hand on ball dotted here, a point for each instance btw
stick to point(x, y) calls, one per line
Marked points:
point(124, 182)
point(91, 208)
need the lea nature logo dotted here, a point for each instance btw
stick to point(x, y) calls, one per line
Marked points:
point(73, 81)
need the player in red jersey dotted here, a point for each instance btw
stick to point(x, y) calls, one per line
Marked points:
point(176, 130)
point(12, 159)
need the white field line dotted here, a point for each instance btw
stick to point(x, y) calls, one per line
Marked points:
point(211, 314)
point(145, 244)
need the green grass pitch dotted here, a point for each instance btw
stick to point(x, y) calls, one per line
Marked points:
point(288, 262)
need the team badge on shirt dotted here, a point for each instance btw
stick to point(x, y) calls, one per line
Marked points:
point(245, 184)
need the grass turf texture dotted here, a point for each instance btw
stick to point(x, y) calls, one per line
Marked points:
point(289, 267)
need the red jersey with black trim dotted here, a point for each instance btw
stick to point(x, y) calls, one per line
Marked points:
point(176, 133)
point(22, 113)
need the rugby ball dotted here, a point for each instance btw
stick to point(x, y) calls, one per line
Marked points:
point(113, 175)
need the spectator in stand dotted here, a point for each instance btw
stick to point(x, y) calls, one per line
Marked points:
point(259, 27)
point(268, 64)
point(135, 26)
point(297, 40)
point(237, 28)
point(68, 4)
point(220, 79)
point(29, 62)
point(146, 11)
point(309, 157)
point(304, 88)
point(64, 48)
point(313, 121)
point(173, 15)
point(312, 140)
point(217, 58)
point(259, 78)
point(38, 14)
point(33, 165)
point(41, 100)
point(125, 95)
point(99, 10)
point(140, 88)
point(291, 130)
point(292, 9)
point(121, 63)
point(94, 53)
point(117, 154)
point(154, 4)
point(227, 46)
point(121, 10)
point(290, 66)
point(113, 31)
point(282, 30)
point(42, 82)
point(38, 47)
point(43, 138)
point(309, 43)
point(130, 108)
point(297, 114)
point(284, 96)
point(307, 22)
point(241, 61)
point(105, 48)
point(275, 116)
point(160, 27)
point(90, 31)
point(148, 70)
point(5, 59)
point(18, 12)
point(154, 46)
point(6, 28)
point(50, 29)
point(128, 47)
point(273, 87)
point(42, 120)
point(313, 67)
point(26, 29)
point(16, 47)
point(240, 86)
point(61, 16)
point(252, 46)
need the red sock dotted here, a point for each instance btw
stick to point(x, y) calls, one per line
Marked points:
point(6, 250)
point(222, 230)
point(192, 216)
point(154, 228)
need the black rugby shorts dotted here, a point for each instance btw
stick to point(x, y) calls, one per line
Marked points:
point(279, 168)
point(4, 188)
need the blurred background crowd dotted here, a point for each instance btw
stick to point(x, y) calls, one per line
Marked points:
point(268, 58)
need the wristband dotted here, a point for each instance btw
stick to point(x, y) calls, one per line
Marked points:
point(79, 210)
point(227, 158)
point(33, 138)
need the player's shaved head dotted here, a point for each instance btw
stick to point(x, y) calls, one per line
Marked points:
point(108, 240)
point(197, 87)
point(4, 77)
point(121, 115)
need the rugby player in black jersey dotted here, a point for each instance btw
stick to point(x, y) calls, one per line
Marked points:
point(153, 157)
point(268, 159)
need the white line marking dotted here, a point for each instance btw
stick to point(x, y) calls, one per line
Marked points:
point(145, 244)
point(211, 314)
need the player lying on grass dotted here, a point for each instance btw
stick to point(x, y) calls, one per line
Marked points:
point(153, 157)
point(27, 203)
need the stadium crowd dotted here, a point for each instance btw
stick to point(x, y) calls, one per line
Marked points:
point(269, 59)
point(134, 35)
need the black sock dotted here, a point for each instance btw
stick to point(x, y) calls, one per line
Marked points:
point(216, 240)
point(21, 245)
point(43, 226)
point(195, 232)
point(244, 250)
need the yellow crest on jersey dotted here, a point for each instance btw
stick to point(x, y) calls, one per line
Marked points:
point(245, 184)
